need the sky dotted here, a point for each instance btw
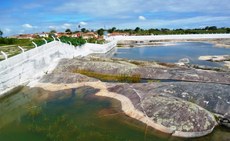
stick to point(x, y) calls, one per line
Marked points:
point(30, 16)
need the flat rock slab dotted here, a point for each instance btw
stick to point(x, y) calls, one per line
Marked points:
point(215, 58)
point(164, 109)
point(213, 97)
point(147, 70)
point(177, 114)
point(66, 77)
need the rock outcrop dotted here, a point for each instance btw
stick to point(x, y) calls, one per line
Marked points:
point(147, 70)
point(215, 58)
point(183, 109)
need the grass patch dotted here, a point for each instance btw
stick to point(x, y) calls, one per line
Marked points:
point(134, 78)
point(166, 64)
point(153, 81)
point(138, 63)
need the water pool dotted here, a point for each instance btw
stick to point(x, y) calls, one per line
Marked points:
point(173, 53)
point(75, 115)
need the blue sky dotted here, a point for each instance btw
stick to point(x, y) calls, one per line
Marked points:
point(28, 16)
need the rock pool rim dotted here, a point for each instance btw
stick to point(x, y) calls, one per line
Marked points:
point(127, 107)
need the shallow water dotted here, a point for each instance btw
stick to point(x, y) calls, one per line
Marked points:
point(75, 115)
point(173, 53)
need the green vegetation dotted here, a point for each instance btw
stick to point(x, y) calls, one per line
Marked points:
point(75, 41)
point(95, 41)
point(22, 42)
point(10, 45)
point(84, 30)
point(165, 31)
point(68, 30)
point(58, 129)
point(134, 78)
point(1, 33)
point(100, 32)
point(153, 81)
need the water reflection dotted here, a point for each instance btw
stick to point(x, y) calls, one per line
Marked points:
point(174, 52)
point(75, 114)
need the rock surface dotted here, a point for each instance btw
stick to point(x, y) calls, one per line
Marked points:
point(180, 108)
point(213, 97)
point(147, 70)
point(216, 58)
point(66, 77)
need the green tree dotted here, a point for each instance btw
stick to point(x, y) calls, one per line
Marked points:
point(137, 29)
point(68, 30)
point(83, 30)
point(112, 30)
point(100, 31)
point(1, 33)
point(53, 31)
point(210, 28)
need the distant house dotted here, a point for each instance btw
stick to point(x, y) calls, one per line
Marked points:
point(85, 35)
point(78, 34)
point(89, 35)
point(118, 34)
point(43, 34)
point(60, 34)
point(26, 36)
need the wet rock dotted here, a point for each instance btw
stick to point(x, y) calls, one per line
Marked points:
point(215, 58)
point(225, 122)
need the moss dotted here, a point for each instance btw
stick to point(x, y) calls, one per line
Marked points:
point(217, 118)
point(166, 64)
point(153, 81)
point(138, 63)
point(134, 78)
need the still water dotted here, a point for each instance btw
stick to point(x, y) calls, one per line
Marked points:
point(75, 115)
point(173, 53)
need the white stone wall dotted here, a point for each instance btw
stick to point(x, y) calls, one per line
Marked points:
point(34, 63)
point(170, 37)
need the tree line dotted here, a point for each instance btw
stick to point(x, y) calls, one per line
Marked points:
point(164, 31)
point(157, 31)
point(151, 31)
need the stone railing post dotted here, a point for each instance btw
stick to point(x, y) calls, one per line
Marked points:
point(59, 39)
point(22, 49)
point(44, 40)
point(35, 44)
point(53, 38)
point(5, 55)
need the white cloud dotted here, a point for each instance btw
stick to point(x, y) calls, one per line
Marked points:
point(29, 26)
point(83, 23)
point(52, 27)
point(142, 18)
point(127, 7)
point(66, 25)
point(176, 23)
point(96, 8)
